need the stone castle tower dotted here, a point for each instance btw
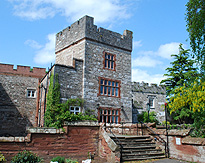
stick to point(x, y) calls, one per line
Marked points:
point(95, 64)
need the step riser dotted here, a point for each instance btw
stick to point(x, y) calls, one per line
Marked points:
point(139, 148)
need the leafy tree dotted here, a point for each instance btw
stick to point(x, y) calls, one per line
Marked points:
point(195, 18)
point(181, 72)
point(192, 97)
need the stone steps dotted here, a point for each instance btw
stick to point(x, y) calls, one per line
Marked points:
point(136, 148)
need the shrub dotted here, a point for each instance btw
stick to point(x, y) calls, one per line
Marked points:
point(71, 161)
point(59, 159)
point(2, 158)
point(144, 117)
point(26, 157)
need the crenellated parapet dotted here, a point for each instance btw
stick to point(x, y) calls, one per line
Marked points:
point(148, 88)
point(84, 28)
point(8, 69)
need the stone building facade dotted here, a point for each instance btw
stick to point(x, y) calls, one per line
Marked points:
point(144, 95)
point(18, 98)
point(93, 64)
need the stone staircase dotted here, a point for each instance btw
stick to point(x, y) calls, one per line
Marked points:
point(136, 148)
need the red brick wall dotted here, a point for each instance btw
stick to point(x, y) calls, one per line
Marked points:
point(22, 70)
point(75, 144)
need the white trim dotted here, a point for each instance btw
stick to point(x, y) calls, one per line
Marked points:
point(75, 109)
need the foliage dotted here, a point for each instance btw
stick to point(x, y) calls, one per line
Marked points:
point(71, 161)
point(56, 112)
point(181, 72)
point(58, 159)
point(2, 158)
point(53, 99)
point(195, 18)
point(144, 117)
point(192, 97)
point(26, 157)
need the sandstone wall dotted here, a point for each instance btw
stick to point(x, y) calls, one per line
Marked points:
point(49, 143)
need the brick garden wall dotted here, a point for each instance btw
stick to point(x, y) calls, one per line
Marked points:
point(49, 143)
point(182, 146)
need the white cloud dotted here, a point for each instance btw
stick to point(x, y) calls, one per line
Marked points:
point(47, 53)
point(145, 61)
point(139, 75)
point(33, 44)
point(39, 9)
point(164, 51)
point(137, 44)
point(167, 50)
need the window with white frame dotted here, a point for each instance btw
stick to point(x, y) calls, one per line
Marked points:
point(75, 109)
point(31, 93)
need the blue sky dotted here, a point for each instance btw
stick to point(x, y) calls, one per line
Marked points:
point(28, 29)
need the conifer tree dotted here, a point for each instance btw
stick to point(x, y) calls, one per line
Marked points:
point(182, 71)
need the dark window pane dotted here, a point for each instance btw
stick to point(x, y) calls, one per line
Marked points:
point(101, 118)
point(105, 111)
point(116, 119)
point(109, 112)
point(109, 57)
point(113, 112)
point(116, 112)
point(101, 90)
point(113, 91)
point(117, 84)
point(112, 57)
point(109, 83)
point(105, 119)
point(109, 90)
point(112, 65)
point(105, 90)
point(113, 119)
point(113, 83)
point(101, 111)
point(116, 92)
point(108, 119)
point(105, 82)
point(109, 64)
point(101, 81)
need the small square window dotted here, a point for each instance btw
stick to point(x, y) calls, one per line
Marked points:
point(31, 93)
point(75, 109)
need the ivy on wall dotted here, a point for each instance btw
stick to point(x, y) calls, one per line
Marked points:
point(56, 112)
